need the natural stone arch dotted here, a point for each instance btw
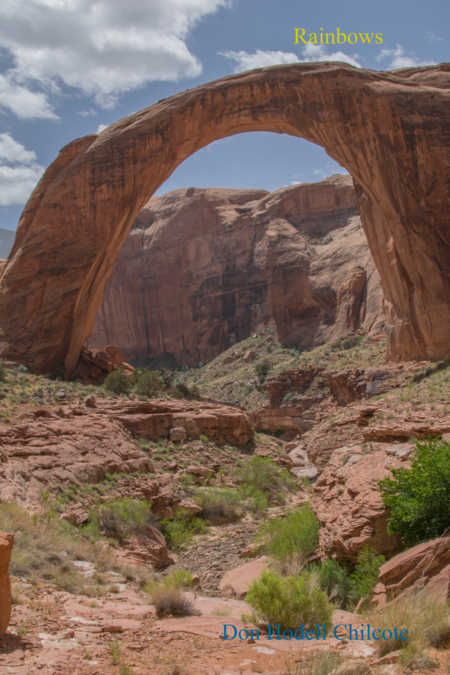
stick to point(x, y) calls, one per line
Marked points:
point(391, 131)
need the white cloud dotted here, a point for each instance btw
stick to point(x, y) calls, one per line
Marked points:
point(399, 58)
point(431, 37)
point(103, 48)
point(310, 53)
point(19, 171)
point(101, 127)
point(87, 113)
point(260, 59)
point(21, 100)
point(318, 172)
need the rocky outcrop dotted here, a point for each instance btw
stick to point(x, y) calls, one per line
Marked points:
point(348, 504)
point(204, 268)
point(354, 384)
point(148, 547)
point(307, 388)
point(6, 546)
point(391, 131)
point(94, 365)
point(52, 451)
point(156, 418)
point(426, 565)
point(81, 445)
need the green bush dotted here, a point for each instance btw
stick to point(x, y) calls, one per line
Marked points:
point(2, 370)
point(178, 578)
point(419, 497)
point(365, 575)
point(262, 370)
point(119, 520)
point(149, 384)
point(180, 531)
point(117, 382)
point(262, 474)
point(289, 601)
point(291, 539)
point(335, 581)
point(219, 503)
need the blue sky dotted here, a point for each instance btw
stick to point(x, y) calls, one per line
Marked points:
point(70, 67)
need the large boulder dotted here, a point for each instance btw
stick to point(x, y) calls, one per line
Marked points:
point(348, 504)
point(425, 566)
point(235, 583)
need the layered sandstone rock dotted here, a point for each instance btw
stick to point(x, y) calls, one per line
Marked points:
point(391, 131)
point(203, 268)
point(348, 504)
point(426, 565)
point(76, 445)
point(6, 546)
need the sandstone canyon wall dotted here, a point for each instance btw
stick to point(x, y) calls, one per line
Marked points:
point(203, 268)
point(391, 131)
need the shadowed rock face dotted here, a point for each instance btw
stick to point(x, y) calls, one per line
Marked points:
point(391, 131)
point(203, 268)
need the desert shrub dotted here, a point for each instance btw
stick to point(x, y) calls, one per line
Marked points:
point(37, 550)
point(365, 575)
point(149, 384)
point(178, 578)
point(219, 502)
point(261, 369)
point(262, 474)
point(187, 392)
point(117, 382)
point(120, 519)
point(255, 501)
point(291, 539)
point(289, 601)
point(180, 531)
point(327, 663)
point(335, 581)
point(170, 599)
point(419, 497)
point(425, 615)
point(2, 370)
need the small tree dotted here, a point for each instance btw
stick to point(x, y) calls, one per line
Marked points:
point(117, 382)
point(262, 370)
point(419, 497)
point(149, 384)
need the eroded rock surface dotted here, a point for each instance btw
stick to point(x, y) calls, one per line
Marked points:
point(78, 445)
point(426, 565)
point(203, 268)
point(348, 504)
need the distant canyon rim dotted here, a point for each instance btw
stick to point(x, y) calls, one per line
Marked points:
point(390, 130)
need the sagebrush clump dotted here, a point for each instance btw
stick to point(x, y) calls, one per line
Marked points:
point(289, 601)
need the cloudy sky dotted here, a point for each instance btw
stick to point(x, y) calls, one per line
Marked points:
point(71, 67)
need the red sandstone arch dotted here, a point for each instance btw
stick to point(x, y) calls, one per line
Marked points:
point(390, 130)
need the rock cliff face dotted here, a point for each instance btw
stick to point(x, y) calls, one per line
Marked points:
point(204, 268)
point(391, 131)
